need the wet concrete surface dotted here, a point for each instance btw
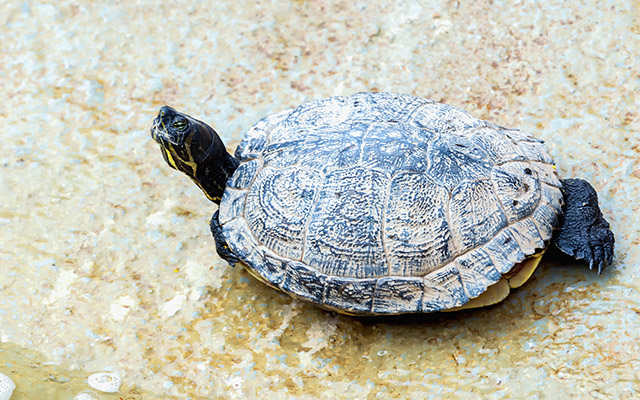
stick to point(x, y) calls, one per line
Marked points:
point(108, 263)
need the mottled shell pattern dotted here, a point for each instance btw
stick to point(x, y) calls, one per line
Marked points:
point(382, 203)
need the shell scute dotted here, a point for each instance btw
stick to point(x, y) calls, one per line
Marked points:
point(256, 139)
point(455, 158)
point(500, 148)
point(545, 219)
point(344, 235)
point(272, 269)
point(535, 151)
point(527, 236)
point(392, 107)
point(386, 147)
point(443, 289)
point(278, 206)
point(303, 282)
point(394, 295)
point(315, 113)
point(283, 154)
point(245, 174)
point(417, 234)
point(439, 117)
point(517, 186)
point(547, 174)
point(475, 215)
point(328, 147)
point(477, 272)
point(505, 251)
point(351, 295)
point(232, 205)
point(239, 237)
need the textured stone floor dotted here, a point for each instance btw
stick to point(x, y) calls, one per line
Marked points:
point(107, 262)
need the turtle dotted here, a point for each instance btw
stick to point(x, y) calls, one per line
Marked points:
point(385, 203)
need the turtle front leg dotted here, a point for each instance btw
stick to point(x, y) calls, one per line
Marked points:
point(222, 248)
point(583, 232)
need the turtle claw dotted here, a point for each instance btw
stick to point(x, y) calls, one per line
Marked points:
point(600, 266)
point(584, 233)
point(597, 250)
point(608, 252)
point(603, 243)
point(598, 257)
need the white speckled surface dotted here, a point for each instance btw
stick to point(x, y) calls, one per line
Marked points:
point(107, 262)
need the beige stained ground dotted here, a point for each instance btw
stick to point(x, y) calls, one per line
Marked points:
point(107, 263)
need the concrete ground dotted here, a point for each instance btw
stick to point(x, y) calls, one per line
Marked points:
point(107, 260)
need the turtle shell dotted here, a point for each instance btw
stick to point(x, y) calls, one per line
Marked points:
point(382, 203)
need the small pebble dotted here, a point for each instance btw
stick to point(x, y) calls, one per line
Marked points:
point(107, 382)
point(87, 395)
point(6, 387)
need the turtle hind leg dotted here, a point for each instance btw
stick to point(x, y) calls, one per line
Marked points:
point(222, 248)
point(583, 232)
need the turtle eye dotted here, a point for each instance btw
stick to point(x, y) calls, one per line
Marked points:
point(180, 125)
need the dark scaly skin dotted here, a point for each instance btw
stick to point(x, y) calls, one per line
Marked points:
point(583, 232)
point(193, 147)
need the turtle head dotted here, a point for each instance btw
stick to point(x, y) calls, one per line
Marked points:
point(193, 147)
point(184, 141)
